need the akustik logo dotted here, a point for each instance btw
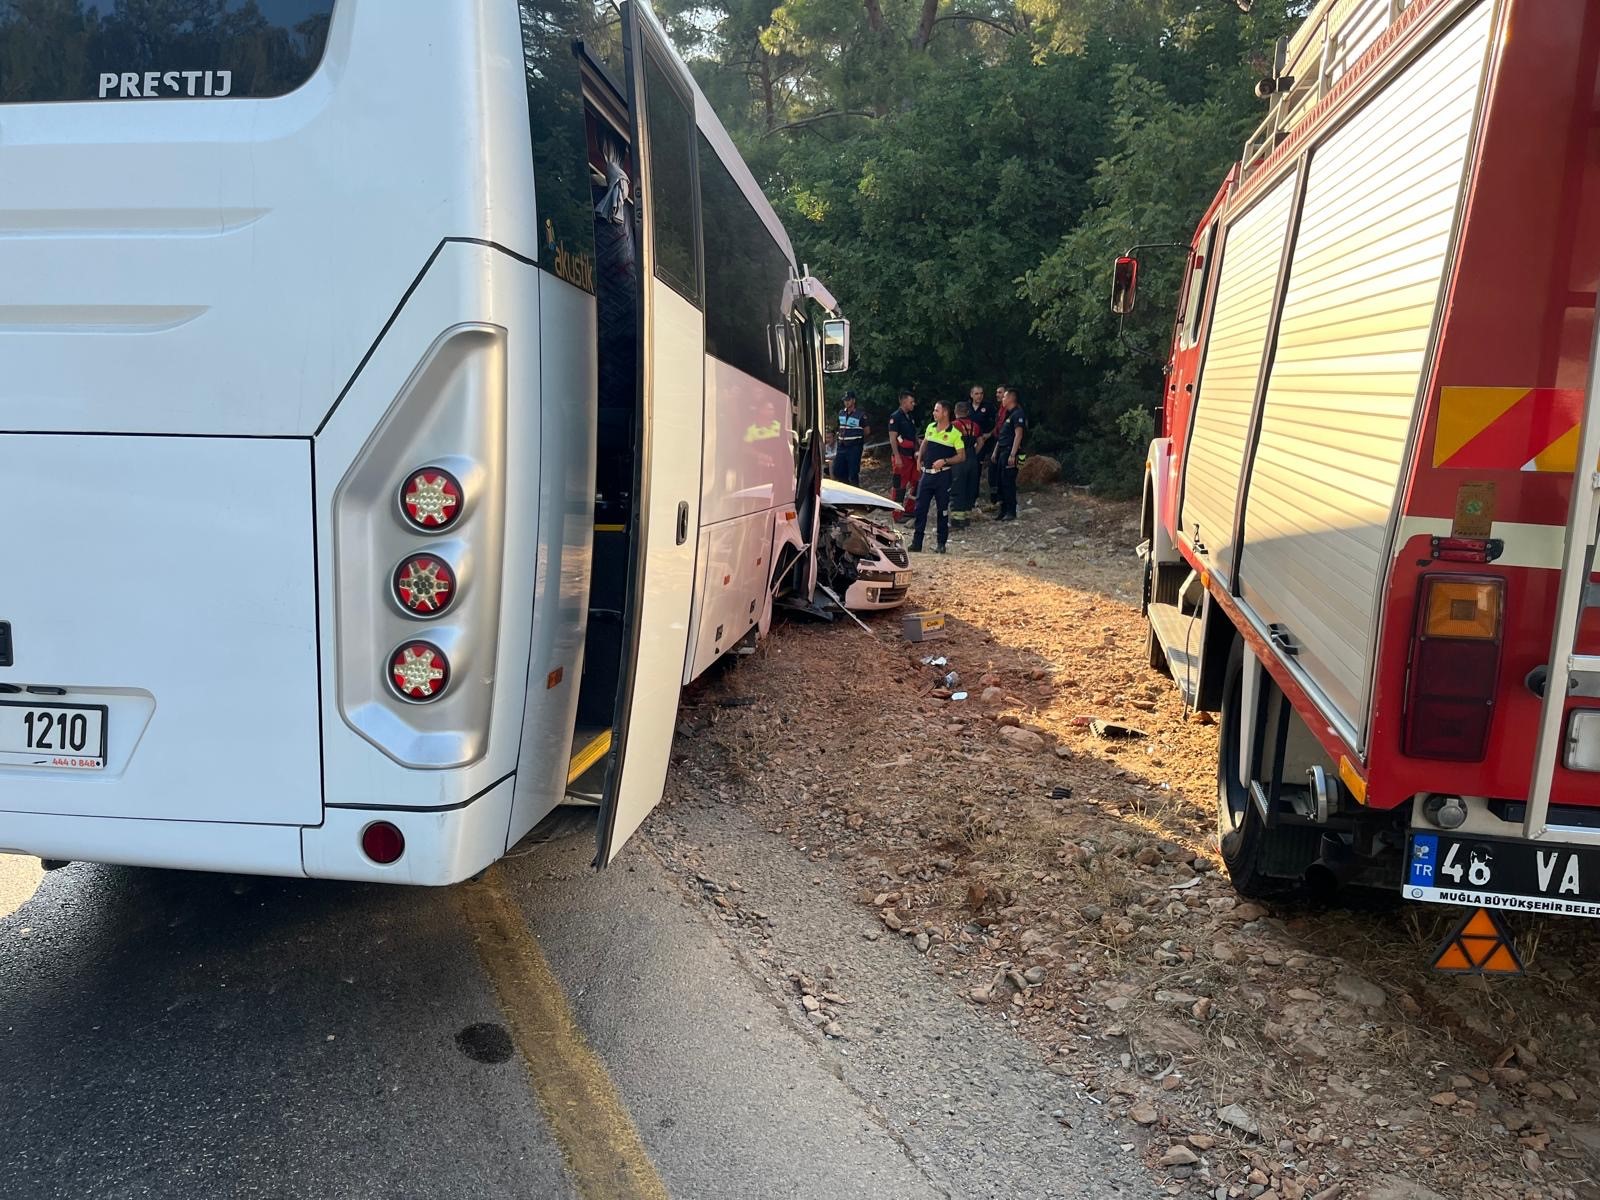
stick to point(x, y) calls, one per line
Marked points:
point(150, 85)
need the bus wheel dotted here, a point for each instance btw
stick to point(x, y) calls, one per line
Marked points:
point(1262, 861)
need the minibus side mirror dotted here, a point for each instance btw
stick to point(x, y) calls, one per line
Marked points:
point(1124, 285)
point(835, 345)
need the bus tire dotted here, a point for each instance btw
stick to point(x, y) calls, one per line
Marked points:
point(1262, 861)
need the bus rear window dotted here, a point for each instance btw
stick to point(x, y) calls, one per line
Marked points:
point(174, 50)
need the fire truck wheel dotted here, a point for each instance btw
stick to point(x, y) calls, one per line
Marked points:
point(1152, 644)
point(1261, 861)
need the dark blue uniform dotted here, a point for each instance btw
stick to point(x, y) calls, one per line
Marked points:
point(1007, 440)
point(851, 436)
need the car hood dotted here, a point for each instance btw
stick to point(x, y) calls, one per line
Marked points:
point(847, 497)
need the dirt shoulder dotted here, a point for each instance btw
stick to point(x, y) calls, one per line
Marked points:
point(1067, 886)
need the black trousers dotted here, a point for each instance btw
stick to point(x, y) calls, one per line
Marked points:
point(1008, 491)
point(995, 470)
point(935, 487)
point(847, 462)
point(964, 486)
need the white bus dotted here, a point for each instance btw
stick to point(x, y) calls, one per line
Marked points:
point(401, 401)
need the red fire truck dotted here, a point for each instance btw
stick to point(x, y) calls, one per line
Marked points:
point(1370, 518)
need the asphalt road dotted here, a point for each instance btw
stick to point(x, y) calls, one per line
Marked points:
point(548, 1032)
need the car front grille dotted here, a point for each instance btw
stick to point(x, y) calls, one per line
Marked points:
point(897, 555)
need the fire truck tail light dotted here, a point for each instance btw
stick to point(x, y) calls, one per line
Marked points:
point(1455, 669)
point(1463, 609)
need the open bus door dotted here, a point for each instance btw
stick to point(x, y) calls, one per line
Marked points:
point(668, 435)
point(810, 455)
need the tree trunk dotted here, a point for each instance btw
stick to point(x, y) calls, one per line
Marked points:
point(930, 10)
point(766, 83)
point(874, 15)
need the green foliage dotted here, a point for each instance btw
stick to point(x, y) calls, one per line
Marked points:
point(962, 176)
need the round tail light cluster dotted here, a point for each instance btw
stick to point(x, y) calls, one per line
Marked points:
point(419, 672)
point(431, 499)
point(424, 585)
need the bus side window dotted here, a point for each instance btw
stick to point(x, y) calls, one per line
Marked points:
point(669, 124)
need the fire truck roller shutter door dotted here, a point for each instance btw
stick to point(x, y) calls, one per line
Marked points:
point(1352, 355)
point(1232, 372)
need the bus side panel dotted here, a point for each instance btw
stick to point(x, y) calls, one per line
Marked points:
point(734, 567)
point(565, 538)
point(749, 447)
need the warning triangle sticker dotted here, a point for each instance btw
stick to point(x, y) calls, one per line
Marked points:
point(1479, 945)
point(1480, 924)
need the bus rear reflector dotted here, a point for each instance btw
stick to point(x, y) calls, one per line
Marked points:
point(382, 843)
point(1455, 668)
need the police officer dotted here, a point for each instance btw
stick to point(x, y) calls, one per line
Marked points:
point(848, 439)
point(903, 455)
point(1008, 451)
point(941, 452)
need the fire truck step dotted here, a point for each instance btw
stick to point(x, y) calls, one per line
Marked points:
point(1179, 635)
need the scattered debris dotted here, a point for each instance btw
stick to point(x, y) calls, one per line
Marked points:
point(1111, 729)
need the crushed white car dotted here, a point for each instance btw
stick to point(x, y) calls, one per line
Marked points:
point(861, 556)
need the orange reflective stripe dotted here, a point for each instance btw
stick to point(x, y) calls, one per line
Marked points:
point(1507, 429)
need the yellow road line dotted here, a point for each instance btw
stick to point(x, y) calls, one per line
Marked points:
point(603, 1150)
point(588, 756)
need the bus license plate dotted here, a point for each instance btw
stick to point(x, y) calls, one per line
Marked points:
point(70, 737)
point(1522, 876)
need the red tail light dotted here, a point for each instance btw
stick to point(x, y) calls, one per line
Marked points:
point(419, 671)
point(382, 843)
point(431, 499)
point(1455, 668)
point(424, 585)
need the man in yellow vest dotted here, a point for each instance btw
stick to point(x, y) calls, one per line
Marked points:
point(941, 451)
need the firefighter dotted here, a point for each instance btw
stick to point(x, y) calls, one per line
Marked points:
point(941, 453)
point(848, 439)
point(903, 456)
point(990, 459)
point(964, 487)
point(985, 412)
point(1008, 451)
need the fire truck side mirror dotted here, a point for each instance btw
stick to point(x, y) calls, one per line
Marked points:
point(1124, 283)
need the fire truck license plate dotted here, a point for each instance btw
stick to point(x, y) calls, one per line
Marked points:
point(69, 737)
point(1442, 868)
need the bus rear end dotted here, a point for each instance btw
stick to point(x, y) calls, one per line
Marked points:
point(262, 314)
